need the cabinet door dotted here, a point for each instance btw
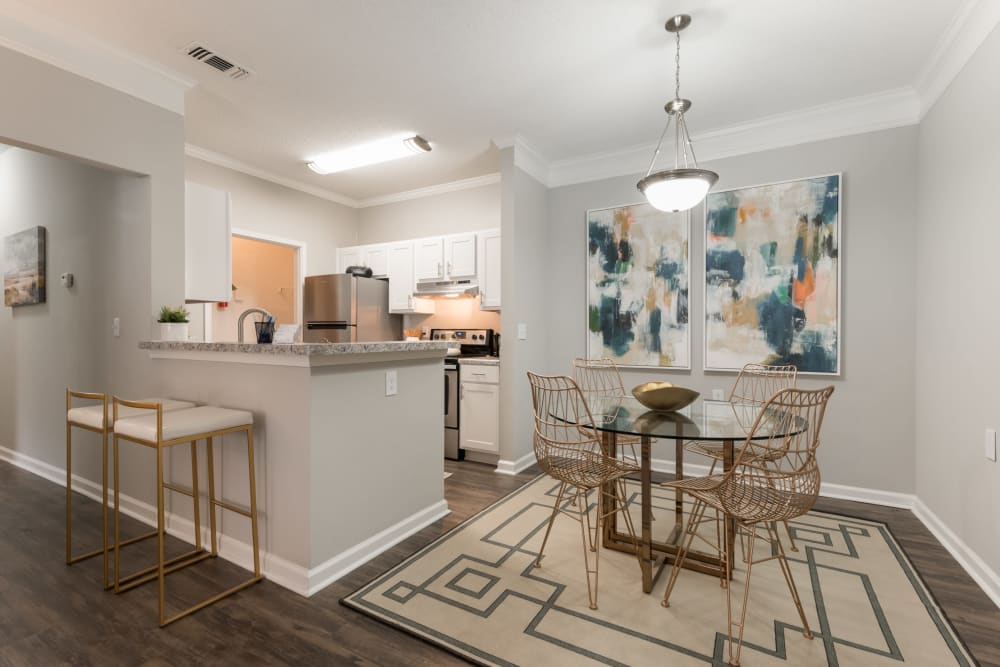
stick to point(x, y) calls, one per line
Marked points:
point(429, 259)
point(208, 244)
point(352, 256)
point(460, 255)
point(489, 270)
point(399, 259)
point(375, 258)
point(479, 407)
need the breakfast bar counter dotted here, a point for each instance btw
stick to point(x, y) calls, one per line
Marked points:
point(347, 442)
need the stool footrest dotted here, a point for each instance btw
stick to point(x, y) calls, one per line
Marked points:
point(179, 489)
point(151, 574)
point(213, 599)
point(98, 552)
point(232, 508)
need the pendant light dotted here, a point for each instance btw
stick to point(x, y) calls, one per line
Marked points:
point(684, 186)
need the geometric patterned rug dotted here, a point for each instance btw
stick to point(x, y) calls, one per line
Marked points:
point(475, 593)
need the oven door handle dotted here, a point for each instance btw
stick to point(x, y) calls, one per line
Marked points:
point(446, 383)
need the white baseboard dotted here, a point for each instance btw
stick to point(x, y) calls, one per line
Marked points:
point(514, 467)
point(873, 496)
point(970, 561)
point(343, 563)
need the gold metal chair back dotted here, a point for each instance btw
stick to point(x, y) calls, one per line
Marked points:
point(598, 378)
point(565, 442)
point(756, 383)
point(776, 478)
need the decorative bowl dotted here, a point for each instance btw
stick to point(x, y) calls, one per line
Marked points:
point(663, 396)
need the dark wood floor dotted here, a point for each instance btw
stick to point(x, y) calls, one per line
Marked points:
point(52, 614)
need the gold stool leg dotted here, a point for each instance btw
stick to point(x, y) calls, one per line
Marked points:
point(104, 505)
point(117, 559)
point(69, 489)
point(211, 495)
point(160, 546)
point(253, 506)
point(194, 495)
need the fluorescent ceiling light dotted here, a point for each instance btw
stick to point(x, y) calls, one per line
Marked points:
point(383, 150)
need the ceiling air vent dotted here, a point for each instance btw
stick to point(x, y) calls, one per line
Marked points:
point(213, 59)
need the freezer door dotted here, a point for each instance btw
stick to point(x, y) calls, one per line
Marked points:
point(329, 298)
point(373, 318)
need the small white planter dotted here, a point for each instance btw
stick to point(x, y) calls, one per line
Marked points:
point(173, 330)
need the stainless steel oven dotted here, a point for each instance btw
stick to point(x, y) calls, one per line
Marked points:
point(471, 343)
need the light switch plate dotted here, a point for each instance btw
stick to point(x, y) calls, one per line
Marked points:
point(391, 383)
point(991, 444)
point(522, 331)
point(116, 327)
point(718, 395)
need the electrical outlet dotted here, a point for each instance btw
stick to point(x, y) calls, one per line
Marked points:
point(991, 444)
point(522, 331)
point(116, 327)
point(718, 395)
point(391, 383)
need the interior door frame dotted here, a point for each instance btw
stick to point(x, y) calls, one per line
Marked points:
point(300, 271)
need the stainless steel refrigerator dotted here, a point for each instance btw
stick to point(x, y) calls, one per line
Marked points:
point(341, 308)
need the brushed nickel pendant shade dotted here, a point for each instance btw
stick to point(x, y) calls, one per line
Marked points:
point(686, 185)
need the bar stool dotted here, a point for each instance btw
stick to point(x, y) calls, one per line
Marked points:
point(95, 418)
point(167, 429)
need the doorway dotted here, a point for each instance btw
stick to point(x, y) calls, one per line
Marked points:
point(267, 274)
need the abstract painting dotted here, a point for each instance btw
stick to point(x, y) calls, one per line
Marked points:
point(637, 286)
point(772, 276)
point(24, 268)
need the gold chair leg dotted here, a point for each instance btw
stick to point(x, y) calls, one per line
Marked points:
point(585, 535)
point(791, 539)
point(787, 571)
point(734, 658)
point(552, 518)
point(692, 528)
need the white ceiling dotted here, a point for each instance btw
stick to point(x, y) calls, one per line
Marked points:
point(573, 77)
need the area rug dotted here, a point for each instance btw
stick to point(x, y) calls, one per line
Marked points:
point(476, 593)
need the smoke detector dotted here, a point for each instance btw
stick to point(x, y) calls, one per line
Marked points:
point(216, 61)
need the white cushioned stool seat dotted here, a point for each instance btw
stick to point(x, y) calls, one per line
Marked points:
point(93, 415)
point(181, 423)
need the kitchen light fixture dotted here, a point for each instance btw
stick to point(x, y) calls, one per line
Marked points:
point(685, 185)
point(383, 150)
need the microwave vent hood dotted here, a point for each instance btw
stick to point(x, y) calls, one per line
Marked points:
point(447, 288)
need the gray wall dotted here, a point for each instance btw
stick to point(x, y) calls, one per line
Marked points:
point(267, 208)
point(448, 213)
point(958, 317)
point(529, 291)
point(870, 419)
point(60, 113)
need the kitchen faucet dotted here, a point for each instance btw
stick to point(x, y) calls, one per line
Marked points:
point(243, 315)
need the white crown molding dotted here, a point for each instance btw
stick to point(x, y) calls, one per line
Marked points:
point(38, 36)
point(972, 24)
point(221, 160)
point(868, 113)
point(526, 157)
point(430, 191)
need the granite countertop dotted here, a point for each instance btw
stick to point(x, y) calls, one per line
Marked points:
point(298, 349)
point(479, 361)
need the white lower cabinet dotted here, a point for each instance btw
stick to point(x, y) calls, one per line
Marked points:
point(479, 409)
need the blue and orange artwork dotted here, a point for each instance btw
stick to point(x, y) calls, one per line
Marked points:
point(637, 294)
point(772, 276)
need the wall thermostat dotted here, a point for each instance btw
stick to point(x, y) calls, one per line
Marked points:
point(66, 279)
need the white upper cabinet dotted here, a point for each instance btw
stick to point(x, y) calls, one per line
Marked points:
point(351, 256)
point(401, 283)
point(376, 258)
point(429, 259)
point(208, 244)
point(489, 269)
point(460, 253)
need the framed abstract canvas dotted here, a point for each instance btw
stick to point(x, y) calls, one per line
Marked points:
point(24, 268)
point(637, 286)
point(772, 276)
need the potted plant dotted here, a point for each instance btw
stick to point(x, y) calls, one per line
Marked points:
point(173, 323)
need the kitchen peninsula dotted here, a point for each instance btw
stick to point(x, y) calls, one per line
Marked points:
point(344, 468)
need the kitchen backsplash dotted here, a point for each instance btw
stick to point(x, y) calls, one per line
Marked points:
point(455, 314)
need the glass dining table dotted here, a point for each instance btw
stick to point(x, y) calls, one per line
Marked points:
point(705, 420)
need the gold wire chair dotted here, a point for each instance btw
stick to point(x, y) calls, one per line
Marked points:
point(774, 479)
point(755, 384)
point(600, 379)
point(568, 449)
